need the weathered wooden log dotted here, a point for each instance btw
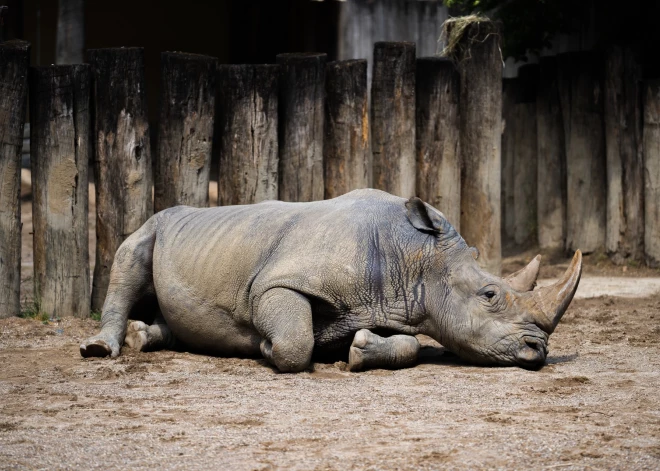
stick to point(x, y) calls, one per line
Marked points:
point(524, 156)
point(185, 131)
point(301, 114)
point(246, 130)
point(625, 163)
point(551, 188)
point(509, 88)
point(346, 140)
point(437, 136)
point(652, 172)
point(581, 95)
point(14, 62)
point(122, 157)
point(393, 118)
point(70, 40)
point(477, 53)
point(60, 147)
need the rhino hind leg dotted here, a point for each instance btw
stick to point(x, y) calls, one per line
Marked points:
point(373, 351)
point(144, 338)
point(284, 321)
point(131, 281)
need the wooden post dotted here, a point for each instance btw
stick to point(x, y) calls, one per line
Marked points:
point(70, 40)
point(122, 158)
point(393, 117)
point(247, 133)
point(509, 89)
point(479, 60)
point(60, 146)
point(551, 188)
point(185, 131)
point(625, 164)
point(301, 113)
point(581, 95)
point(524, 156)
point(437, 137)
point(14, 62)
point(652, 172)
point(346, 140)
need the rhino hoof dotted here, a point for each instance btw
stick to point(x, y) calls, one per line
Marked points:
point(95, 348)
point(136, 335)
point(361, 338)
point(356, 353)
point(355, 359)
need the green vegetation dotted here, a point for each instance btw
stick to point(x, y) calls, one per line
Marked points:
point(453, 30)
point(32, 310)
point(527, 25)
point(95, 315)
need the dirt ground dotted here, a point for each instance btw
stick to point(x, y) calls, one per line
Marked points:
point(596, 405)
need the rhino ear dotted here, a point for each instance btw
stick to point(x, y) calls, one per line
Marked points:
point(419, 216)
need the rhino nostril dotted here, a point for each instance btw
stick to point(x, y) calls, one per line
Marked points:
point(534, 344)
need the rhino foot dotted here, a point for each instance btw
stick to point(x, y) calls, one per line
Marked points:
point(136, 335)
point(99, 346)
point(369, 350)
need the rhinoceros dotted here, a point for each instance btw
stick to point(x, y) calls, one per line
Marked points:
point(356, 276)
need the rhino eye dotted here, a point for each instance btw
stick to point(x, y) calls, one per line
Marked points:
point(488, 293)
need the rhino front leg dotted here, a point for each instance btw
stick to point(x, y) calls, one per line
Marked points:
point(284, 320)
point(373, 351)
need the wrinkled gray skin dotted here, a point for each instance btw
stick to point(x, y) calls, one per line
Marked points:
point(286, 280)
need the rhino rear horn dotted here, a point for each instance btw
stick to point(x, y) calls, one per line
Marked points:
point(525, 278)
point(553, 300)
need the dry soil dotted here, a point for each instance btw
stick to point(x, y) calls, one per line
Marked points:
point(596, 405)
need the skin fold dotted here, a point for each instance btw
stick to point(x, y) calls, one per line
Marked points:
point(357, 276)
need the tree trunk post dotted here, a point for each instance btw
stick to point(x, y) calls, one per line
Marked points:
point(551, 194)
point(60, 147)
point(246, 131)
point(122, 157)
point(652, 172)
point(185, 131)
point(14, 62)
point(393, 118)
point(625, 163)
point(301, 114)
point(70, 41)
point(346, 140)
point(581, 95)
point(524, 156)
point(437, 136)
point(509, 90)
point(479, 60)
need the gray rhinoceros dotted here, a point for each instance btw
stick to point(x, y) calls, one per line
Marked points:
point(286, 280)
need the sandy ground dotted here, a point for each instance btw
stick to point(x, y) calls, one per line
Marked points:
point(596, 405)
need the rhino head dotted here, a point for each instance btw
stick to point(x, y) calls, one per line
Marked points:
point(483, 318)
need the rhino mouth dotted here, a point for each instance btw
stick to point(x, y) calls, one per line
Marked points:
point(532, 354)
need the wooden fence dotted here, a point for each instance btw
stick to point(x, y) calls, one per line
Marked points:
point(301, 130)
point(581, 156)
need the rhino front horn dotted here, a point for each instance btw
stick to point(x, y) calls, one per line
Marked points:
point(553, 300)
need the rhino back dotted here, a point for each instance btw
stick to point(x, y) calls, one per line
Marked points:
point(334, 251)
